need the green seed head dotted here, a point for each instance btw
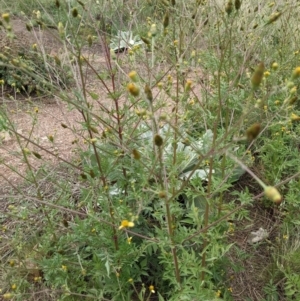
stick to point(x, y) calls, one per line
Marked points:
point(166, 20)
point(229, 7)
point(148, 93)
point(136, 154)
point(258, 75)
point(158, 140)
point(253, 131)
point(74, 12)
point(237, 4)
point(273, 194)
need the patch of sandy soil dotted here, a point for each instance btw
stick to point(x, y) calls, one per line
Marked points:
point(39, 126)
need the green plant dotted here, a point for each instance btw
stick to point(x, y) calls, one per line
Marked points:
point(161, 145)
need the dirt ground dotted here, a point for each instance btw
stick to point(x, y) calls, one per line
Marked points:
point(40, 118)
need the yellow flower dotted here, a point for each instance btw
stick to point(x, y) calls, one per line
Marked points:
point(267, 73)
point(218, 294)
point(14, 286)
point(285, 237)
point(129, 239)
point(151, 289)
point(64, 268)
point(126, 224)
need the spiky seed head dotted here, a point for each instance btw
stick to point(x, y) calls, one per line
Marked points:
point(253, 131)
point(61, 29)
point(296, 73)
point(166, 20)
point(6, 17)
point(162, 194)
point(28, 27)
point(229, 7)
point(237, 4)
point(133, 76)
point(146, 41)
point(188, 85)
point(295, 117)
point(258, 75)
point(274, 17)
point(273, 194)
point(133, 89)
point(93, 129)
point(275, 66)
point(74, 12)
point(136, 154)
point(153, 30)
point(37, 155)
point(158, 140)
point(90, 40)
point(148, 93)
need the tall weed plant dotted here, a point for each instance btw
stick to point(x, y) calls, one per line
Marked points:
point(175, 121)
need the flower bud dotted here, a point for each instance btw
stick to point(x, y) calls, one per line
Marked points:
point(136, 154)
point(166, 20)
point(296, 73)
point(90, 40)
point(153, 30)
point(133, 76)
point(237, 4)
point(253, 131)
point(188, 85)
point(148, 93)
point(274, 17)
point(229, 7)
point(158, 140)
point(258, 75)
point(275, 66)
point(74, 12)
point(6, 17)
point(273, 195)
point(133, 89)
point(162, 194)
